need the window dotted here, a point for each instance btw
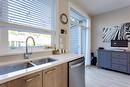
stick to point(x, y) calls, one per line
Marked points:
point(25, 18)
point(17, 39)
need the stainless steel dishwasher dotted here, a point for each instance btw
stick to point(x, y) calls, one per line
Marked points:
point(77, 73)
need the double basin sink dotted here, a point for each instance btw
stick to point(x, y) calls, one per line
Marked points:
point(16, 67)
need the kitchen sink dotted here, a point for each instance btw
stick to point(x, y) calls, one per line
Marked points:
point(43, 61)
point(14, 67)
point(19, 66)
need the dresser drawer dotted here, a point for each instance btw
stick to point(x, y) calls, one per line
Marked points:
point(118, 67)
point(122, 61)
point(129, 68)
point(119, 55)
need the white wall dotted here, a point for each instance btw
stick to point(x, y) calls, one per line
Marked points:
point(107, 19)
point(62, 7)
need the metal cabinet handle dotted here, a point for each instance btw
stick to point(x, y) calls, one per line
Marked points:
point(51, 70)
point(34, 77)
point(77, 65)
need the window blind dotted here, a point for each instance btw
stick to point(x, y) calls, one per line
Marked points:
point(34, 13)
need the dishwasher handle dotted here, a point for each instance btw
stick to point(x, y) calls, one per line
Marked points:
point(77, 65)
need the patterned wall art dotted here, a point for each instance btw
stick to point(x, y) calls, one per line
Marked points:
point(119, 32)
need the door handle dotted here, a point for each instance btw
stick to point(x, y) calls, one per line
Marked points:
point(77, 65)
point(51, 70)
point(34, 77)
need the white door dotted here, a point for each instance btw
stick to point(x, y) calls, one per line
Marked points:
point(78, 34)
point(78, 40)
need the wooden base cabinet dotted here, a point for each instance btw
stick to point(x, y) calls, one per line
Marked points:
point(3, 85)
point(56, 76)
point(33, 80)
point(52, 77)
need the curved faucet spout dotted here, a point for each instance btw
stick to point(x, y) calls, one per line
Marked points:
point(27, 54)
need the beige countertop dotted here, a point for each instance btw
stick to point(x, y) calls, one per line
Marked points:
point(63, 58)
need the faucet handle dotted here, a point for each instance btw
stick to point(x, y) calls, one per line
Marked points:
point(27, 55)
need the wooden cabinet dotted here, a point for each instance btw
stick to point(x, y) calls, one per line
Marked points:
point(17, 83)
point(104, 59)
point(52, 77)
point(49, 77)
point(55, 77)
point(64, 75)
point(33, 80)
point(3, 85)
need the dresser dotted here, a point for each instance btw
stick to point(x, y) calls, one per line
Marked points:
point(114, 60)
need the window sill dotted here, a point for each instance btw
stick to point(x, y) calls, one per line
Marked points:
point(22, 51)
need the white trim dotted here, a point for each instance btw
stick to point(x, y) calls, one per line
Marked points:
point(57, 40)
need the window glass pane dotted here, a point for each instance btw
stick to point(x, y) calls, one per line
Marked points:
point(77, 19)
point(74, 39)
point(18, 38)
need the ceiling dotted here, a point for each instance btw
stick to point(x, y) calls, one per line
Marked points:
point(96, 7)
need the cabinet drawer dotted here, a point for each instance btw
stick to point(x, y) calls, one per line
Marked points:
point(118, 67)
point(119, 55)
point(120, 61)
point(129, 68)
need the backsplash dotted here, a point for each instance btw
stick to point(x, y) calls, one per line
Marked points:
point(21, 56)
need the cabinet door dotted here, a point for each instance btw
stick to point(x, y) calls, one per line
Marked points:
point(64, 75)
point(56, 76)
point(129, 63)
point(50, 77)
point(4, 85)
point(129, 68)
point(34, 80)
point(17, 83)
point(104, 59)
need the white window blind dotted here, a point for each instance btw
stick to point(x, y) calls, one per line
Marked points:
point(34, 13)
point(25, 18)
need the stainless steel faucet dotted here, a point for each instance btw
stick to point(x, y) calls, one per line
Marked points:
point(27, 55)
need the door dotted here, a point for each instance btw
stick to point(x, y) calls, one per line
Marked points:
point(78, 40)
point(49, 77)
point(34, 80)
point(75, 46)
point(56, 76)
point(78, 33)
point(17, 83)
